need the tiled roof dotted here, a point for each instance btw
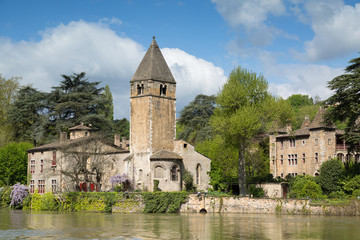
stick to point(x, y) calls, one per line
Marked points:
point(164, 154)
point(153, 66)
point(80, 127)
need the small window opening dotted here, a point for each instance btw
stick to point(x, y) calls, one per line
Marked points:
point(185, 145)
point(175, 173)
point(140, 89)
point(162, 90)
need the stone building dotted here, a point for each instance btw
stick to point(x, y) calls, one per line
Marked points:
point(301, 152)
point(154, 153)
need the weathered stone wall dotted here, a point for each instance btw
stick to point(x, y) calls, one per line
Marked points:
point(263, 205)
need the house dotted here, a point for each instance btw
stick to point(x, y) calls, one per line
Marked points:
point(301, 152)
point(85, 162)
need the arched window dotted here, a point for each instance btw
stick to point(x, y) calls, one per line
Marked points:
point(158, 172)
point(198, 173)
point(140, 89)
point(340, 156)
point(175, 173)
point(140, 174)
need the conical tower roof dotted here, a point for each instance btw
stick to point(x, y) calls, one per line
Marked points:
point(153, 66)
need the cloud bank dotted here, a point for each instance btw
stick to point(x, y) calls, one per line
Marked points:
point(105, 56)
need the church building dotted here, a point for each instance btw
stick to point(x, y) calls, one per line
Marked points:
point(153, 154)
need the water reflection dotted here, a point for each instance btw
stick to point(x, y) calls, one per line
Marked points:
point(54, 225)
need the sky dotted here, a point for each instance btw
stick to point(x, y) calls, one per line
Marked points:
point(297, 45)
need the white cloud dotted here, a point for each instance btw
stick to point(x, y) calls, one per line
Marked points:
point(336, 29)
point(252, 15)
point(97, 50)
point(308, 79)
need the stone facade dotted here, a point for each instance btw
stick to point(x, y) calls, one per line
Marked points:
point(154, 153)
point(302, 151)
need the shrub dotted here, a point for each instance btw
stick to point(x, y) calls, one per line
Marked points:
point(305, 187)
point(351, 185)
point(156, 186)
point(18, 194)
point(256, 192)
point(330, 173)
point(161, 202)
point(5, 199)
point(188, 181)
point(123, 181)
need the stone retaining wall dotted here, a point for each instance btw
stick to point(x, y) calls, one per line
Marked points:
point(265, 205)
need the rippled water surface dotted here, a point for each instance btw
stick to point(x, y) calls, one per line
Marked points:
point(55, 225)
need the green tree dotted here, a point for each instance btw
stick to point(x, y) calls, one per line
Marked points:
point(194, 119)
point(77, 100)
point(13, 163)
point(244, 110)
point(305, 187)
point(27, 115)
point(346, 103)
point(223, 157)
point(122, 127)
point(8, 91)
point(109, 106)
point(299, 100)
point(331, 172)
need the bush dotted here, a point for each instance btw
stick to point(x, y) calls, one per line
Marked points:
point(5, 199)
point(156, 186)
point(351, 185)
point(18, 194)
point(256, 192)
point(188, 181)
point(162, 202)
point(305, 187)
point(331, 172)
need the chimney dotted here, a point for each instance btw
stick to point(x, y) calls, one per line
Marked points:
point(63, 136)
point(124, 143)
point(117, 140)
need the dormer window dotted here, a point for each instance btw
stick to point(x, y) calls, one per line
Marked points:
point(162, 90)
point(140, 89)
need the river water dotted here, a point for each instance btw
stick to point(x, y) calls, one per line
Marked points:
point(58, 225)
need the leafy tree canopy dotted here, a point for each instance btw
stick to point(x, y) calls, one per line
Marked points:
point(13, 163)
point(299, 100)
point(346, 103)
point(194, 119)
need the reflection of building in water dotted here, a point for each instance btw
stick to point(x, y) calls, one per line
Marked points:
point(301, 152)
point(154, 153)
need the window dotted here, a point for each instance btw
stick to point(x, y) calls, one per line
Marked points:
point(140, 174)
point(316, 157)
point(32, 166)
point(140, 89)
point(281, 143)
point(292, 142)
point(53, 185)
point(41, 166)
point(303, 142)
point(281, 159)
point(185, 145)
point(198, 173)
point(292, 159)
point(175, 173)
point(316, 142)
point(303, 157)
point(282, 175)
point(295, 159)
point(162, 90)
point(32, 186)
point(53, 162)
point(158, 172)
point(41, 186)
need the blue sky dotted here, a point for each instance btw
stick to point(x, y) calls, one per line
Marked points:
point(297, 45)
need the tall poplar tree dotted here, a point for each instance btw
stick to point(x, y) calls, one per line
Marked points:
point(109, 105)
point(244, 110)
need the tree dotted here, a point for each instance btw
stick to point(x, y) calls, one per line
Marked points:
point(346, 103)
point(8, 91)
point(87, 160)
point(13, 163)
point(194, 119)
point(330, 173)
point(244, 110)
point(299, 100)
point(122, 127)
point(223, 157)
point(109, 106)
point(77, 100)
point(27, 115)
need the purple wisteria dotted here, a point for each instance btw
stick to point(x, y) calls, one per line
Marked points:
point(121, 180)
point(18, 194)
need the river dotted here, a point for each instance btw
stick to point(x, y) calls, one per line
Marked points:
point(58, 225)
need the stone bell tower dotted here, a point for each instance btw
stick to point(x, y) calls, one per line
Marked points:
point(152, 111)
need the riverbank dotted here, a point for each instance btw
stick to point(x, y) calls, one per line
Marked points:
point(172, 202)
